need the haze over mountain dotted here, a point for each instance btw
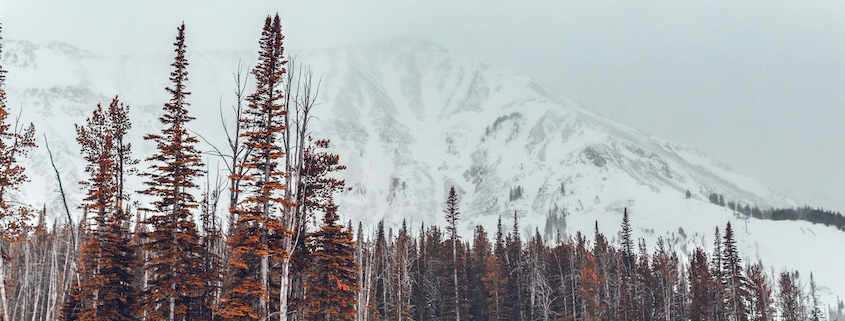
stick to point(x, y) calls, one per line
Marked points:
point(758, 85)
point(409, 120)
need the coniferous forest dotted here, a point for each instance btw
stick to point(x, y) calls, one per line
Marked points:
point(284, 254)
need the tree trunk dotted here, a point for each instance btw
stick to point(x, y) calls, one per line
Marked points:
point(283, 290)
point(3, 299)
point(455, 273)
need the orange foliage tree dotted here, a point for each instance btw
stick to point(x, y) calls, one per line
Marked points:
point(175, 265)
point(332, 282)
point(259, 228)
point(108, 259)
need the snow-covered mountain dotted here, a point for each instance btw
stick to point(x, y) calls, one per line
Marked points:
point(410, 120)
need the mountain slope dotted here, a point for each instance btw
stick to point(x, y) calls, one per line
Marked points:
point(409, 120)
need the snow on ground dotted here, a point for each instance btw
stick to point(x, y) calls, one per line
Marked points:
point(410, 120)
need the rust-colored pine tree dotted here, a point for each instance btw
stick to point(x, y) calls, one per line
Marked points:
point(15, 144)
point(702, 292)
point(332, 282)
point(259, 225)
point(174, 267)
point(495, 281)
point(589, 286)
point(107, 290)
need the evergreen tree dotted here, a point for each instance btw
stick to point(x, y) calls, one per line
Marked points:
point(701, 293)
point(816, 313)
point(496, 280)
point(476, 270)
point(15, 144)
point(514, 265)
point(403, 259)
point(732, 279)
point(108, 259)
point(760, 294)
point(332, 282)
point(248, 290)
point(788, 303)
point(590, 284)
point(452, 214)
point(716, 271)
point(174, 266)
point(627, 243)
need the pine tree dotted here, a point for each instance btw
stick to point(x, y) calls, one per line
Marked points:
point(332, 282)
point(816, 313)
point(514, 265)
point(496, 279)
point(15, 144)
point(403, 258)
point(716, 271)
point(108, 259)
point(590, 283)
point(701, 287)
point(382, 287)
point(788, 298)
point(495, 282)
point(732, 279)
point(627, 243)
point(174, 268)
point(476, 270)
point(760, 294)
point(248, 290)
point(452, 214)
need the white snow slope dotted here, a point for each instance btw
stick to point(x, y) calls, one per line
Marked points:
point(410, 120)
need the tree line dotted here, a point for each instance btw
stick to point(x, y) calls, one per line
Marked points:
point(283, 253)
point(805, 213)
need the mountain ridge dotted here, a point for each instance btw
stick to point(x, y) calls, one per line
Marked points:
point(410, 120)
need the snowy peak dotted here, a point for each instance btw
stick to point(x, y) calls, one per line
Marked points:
point(418, 119)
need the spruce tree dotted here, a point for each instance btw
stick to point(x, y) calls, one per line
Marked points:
point(332, 282)
point(108, 258)
point(174, 267)
point(732, 278)
point(452, 213)
point(590, 283)
point(248, 290)
point(701, 287)
point(760, 294)
point(627, 243)
point(788, 303)
point(816, 313)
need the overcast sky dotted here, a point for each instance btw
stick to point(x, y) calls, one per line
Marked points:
point(757, 84)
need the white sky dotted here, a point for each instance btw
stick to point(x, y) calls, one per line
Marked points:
point(758, 84)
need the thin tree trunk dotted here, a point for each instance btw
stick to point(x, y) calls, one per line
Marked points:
point(455, 274)
point(5, 302)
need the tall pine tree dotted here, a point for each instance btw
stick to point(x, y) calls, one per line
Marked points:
point(248, 292)
point(452, 214)
point(733, 280)
point(108, 289)
point(175, 264)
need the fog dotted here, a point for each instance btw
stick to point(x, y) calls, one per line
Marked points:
point(759, 85)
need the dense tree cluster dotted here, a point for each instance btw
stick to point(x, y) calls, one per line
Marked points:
point(567, 279)
point(806, 213)
point(285, 254)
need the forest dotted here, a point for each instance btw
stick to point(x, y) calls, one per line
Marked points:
point(805, 213)
point(282, 252)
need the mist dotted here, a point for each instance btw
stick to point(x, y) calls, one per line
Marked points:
point(759, 85)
